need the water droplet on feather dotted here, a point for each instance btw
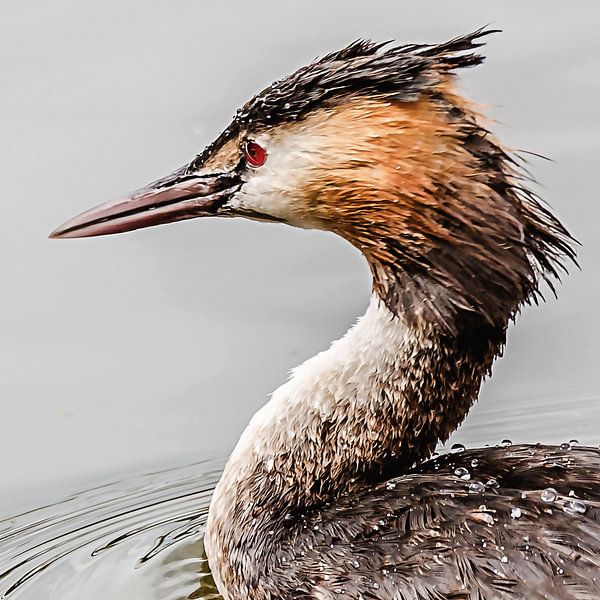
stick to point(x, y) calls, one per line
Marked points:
point(476, 487)
point(575, 507)
point(548, 495)
point(462, 473)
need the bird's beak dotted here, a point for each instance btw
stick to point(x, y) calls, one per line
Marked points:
point(176, 197)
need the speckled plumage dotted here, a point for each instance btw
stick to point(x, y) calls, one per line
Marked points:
point(520, 522)
point(298, 512)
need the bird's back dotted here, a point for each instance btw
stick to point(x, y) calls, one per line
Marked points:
point(518, 522)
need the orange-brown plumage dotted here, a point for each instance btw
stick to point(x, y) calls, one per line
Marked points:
point(432, 200)
point(437, 205)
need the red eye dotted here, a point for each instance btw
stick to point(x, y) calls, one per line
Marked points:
point(255, 154)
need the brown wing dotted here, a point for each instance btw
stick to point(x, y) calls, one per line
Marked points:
point(521, 522)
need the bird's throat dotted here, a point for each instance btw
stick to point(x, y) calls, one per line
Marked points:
point(368, 408)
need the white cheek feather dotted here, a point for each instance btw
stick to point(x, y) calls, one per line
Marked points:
point(275, 188)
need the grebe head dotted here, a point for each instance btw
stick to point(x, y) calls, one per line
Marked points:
point(373, 143)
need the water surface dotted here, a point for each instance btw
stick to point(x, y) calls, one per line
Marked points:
point(140, 538)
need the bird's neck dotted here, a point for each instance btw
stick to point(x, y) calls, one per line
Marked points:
point(377, 401)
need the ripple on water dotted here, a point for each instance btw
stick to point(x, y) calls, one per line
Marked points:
point(134, 540)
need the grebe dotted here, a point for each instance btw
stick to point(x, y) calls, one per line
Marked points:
point(329, 492)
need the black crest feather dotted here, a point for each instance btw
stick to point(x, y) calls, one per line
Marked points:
point(400, 72)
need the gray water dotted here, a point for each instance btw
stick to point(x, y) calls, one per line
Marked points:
point(149, 352)
point(140, 538)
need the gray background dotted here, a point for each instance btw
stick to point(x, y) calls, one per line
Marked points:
point(127, 353)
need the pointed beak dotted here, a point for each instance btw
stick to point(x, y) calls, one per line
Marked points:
point(176, 197)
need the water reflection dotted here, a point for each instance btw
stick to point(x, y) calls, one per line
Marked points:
point(140, 538)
